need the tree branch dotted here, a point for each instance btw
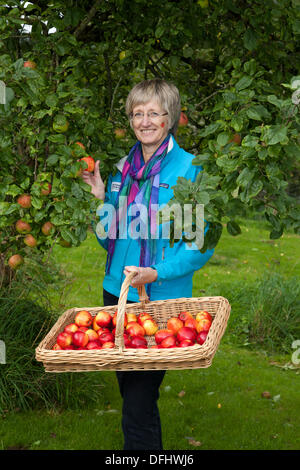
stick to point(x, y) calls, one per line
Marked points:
point(84, 23)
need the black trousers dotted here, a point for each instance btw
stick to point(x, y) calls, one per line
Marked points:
point(140, 392)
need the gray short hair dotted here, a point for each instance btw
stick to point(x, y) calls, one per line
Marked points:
point(165, 93)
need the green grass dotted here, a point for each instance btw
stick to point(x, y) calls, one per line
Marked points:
point(235, 381)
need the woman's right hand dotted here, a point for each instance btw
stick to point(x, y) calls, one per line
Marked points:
point(95, 181)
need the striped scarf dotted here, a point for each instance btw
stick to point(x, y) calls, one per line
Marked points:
point(139, 185)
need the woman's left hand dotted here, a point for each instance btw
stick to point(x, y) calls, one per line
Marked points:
point(144, 275)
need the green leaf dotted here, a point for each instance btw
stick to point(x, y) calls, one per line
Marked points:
point(208, 130)
point(250, 40)
point(222, 139)
point(245, 177)
point(233, 228)
point(275, 134)
point(243, 83)
point(76, 190)
point(258, 113)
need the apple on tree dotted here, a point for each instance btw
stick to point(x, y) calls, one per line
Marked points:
point(15, 261)
point(24, 201)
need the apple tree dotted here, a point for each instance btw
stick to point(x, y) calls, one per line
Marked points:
point(68, 66)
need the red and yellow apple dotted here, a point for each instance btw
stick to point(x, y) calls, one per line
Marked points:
point(174, 324)
point(15, 261)
point(80, 339)
point(162, 334)
point(64, 339)
point(150, 326)
point(24, 201)
point(133, 329)
point(71, 328)
point(103, 319)
point(168, 342)
point(83, 318)
point(203, 325)
point(22, 226)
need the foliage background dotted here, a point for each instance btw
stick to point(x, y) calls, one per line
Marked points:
point(235, 64)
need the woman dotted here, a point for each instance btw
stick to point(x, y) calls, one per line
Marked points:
point(144, 180)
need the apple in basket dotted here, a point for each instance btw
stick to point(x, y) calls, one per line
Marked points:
point(168, 342)
point(103, 319)
point(203, 325)
point(183, 316)
point(150, 326)
point(133, 329)
point(80, 339)
point(94, 344)
point(185, 343)
point(142, 317)
point(64, 339)
point(162, 334)
point(108, 345)
point(57, 347)
point(186, 333)
point(174, 324)
point(71, 328)
point(203, 314)
point(131, 317)
point(83, 318)
point(114, 319)
point(102, 330)
point(139, 342)
point(105, 337)
point(92, 334)
point(191, 323)
point(201, 337)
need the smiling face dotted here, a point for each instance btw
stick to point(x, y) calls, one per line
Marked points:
point(151, 132)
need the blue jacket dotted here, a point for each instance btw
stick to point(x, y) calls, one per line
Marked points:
point(175, 266)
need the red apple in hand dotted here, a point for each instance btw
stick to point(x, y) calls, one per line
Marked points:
point(186, 333)
point(90, 163)
point(83, 318)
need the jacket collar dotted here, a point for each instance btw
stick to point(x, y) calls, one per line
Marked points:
point(120, 163)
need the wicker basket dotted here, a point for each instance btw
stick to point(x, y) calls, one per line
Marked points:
point(121, 358)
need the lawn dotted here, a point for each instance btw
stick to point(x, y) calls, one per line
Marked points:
point(221, 407)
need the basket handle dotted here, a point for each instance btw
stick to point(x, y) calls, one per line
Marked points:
point(143, 297)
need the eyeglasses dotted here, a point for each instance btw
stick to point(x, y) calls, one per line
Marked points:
point(152, 115)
